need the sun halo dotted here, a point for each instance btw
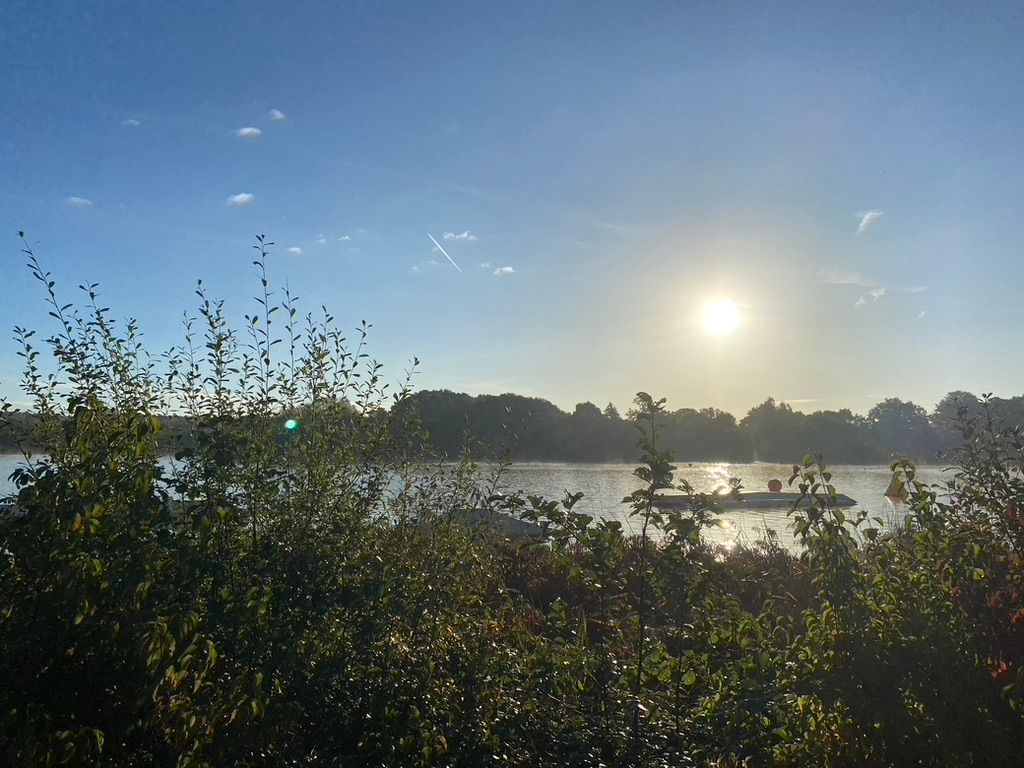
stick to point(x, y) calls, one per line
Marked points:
point(720, 317)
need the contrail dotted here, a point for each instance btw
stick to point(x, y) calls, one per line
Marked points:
point(442, 250)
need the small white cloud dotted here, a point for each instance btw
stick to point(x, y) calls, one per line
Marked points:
point(244, 198)
point(465, 237)
point(503, 271)
point(485, 265)
point(321, 240)
point(867, 219)
point(295, 251)
point(277, 115)
point(423, 266)
point(345, 239)
point(78, 202)
point(249, 133)
point(874, 294)
point(131, 122)
point(922, 313)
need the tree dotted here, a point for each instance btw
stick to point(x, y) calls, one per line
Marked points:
point(945, 418)
point(901, 428)
point(776, 432)
point(707, 434)
point(842, 436)
point(587, 411)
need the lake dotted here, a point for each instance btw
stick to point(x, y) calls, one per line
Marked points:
point(605, 485)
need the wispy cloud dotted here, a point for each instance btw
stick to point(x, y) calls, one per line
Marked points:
point(424, 266)
point(834, 276)
point(468, 191)
point(465, 237)
point(867, 219)
point(321, 240)
point(249, 133)
point(78, 202)
point(447, 185)
point(485, 265)
point(295, 250)
point(874, 294)
point(241, 199)
point(875, 290)
point(131, 122)
point(345, 239)
point(504, 271)
point(615, 227)
point(277, 115)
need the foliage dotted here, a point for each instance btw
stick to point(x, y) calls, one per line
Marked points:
point(294, 590)
point(770, 431)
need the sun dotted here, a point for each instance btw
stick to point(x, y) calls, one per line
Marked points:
point(721, 317)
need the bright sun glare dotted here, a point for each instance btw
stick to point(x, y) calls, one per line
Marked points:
point(721, 317)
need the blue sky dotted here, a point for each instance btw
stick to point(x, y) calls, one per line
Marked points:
point(849, 175)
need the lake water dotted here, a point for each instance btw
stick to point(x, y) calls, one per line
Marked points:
point(605, 485)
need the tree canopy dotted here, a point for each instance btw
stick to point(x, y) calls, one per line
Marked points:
point(534, 429)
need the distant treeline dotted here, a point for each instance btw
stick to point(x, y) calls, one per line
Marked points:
point(533, 429)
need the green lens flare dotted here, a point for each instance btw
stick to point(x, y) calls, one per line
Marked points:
point(291, 424)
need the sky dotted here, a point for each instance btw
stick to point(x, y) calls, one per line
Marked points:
point(850, 176)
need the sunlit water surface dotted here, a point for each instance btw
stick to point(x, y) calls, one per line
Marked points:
point(605, 485)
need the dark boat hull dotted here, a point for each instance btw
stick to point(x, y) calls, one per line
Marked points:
point(758, 500)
